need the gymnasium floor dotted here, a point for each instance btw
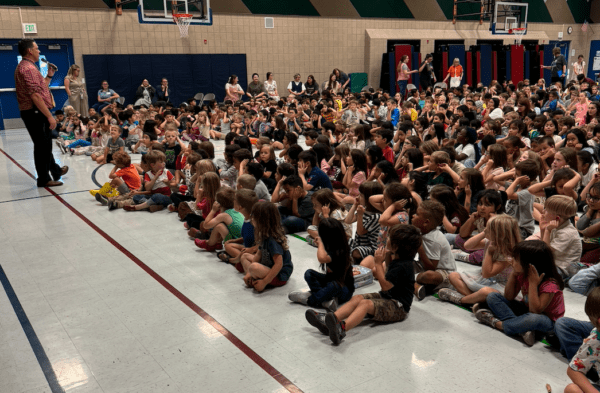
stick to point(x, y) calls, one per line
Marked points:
point(124, 302)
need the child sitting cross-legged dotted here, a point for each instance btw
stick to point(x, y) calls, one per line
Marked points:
point(272, 263)
point(326, 205)
point(366, 217)
point(158, 180)
point(586, 357)
point(225, 222)
point(337, 282)
point(501, 235)
point(235, 248)
point(125, 177)
point(436, 261)
point(536, 277)
point(393, 302)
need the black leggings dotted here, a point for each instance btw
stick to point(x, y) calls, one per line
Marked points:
point(177, 198)
point(194, 220)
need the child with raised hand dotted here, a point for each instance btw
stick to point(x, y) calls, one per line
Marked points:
point(557, 231)
point(520, 200)
point(586, 358)
point(124, 177)
point(272, 263)
point(396, 204)
point(392, 303)
point(225, 222)
point(326, 205)
point(336, 285)
point(297, 209)
point(490, 203)
point(562, 182)
point(355, 175)
point(588, 224)
point(435, 255)
point(438, 171)
point(534, 276)
point(501, 235)
point(366, 217)
point(455, 214)
point(235, 248)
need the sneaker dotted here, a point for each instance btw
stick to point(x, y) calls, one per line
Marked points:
point(203, 244)
point(479, 306)
point(155, 208)
point(112, 205)
point(317, 319)
point(450, 295)
point(299, 297)
point(311, 241)
point(421, 293)
point(102, 199)
point(330, 305)
point(72, 151)
point(529, 338)
point(336, 328)
point(192, 232)
point(486, 317)
point(461, 256)
point(61, 146)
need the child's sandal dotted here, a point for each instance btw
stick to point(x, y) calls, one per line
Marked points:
point(223, 256)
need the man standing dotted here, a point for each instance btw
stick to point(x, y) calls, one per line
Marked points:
point(35, 102)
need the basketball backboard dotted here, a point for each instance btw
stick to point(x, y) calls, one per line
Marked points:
point(161, 11)
point(507, 16)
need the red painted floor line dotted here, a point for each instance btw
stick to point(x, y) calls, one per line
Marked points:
point(256, 358)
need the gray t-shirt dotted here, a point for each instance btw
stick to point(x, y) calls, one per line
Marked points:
point(522, 210)
point(437, 248)
point(113, 146)
point(261, 191)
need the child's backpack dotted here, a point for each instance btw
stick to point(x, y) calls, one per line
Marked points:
point(362, 276)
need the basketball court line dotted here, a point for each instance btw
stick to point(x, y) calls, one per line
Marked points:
point(43, 196)
point(239, 344)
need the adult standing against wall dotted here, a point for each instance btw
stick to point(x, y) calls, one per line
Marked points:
point(455, 73)
point(144, 94)
point(427, 76)
point(578, 67)
point(233, 91)
point(75, 89)
point(404, 75)
point(558, 68)
point(35, 102)
point(163, 92)
point(256, 88)
point(342, 78)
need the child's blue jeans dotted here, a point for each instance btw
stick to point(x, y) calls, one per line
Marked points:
point(324, 290)
point(570, 333)
point(515, 316)
point(155, 199)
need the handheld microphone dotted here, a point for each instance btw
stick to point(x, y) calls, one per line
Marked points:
point(54, 67)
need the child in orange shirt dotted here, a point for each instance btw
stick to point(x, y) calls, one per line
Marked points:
point(124, 176)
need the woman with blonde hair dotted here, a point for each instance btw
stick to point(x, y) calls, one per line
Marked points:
point(75, 89)
point(455, 73)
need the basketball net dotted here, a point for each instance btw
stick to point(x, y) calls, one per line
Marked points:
point(518, 32)
point(183, 21)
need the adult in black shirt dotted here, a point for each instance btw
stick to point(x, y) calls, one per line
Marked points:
point(559, 64)
point(426, 75)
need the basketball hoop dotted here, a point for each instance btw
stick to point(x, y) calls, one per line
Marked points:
point(518, 32)
point(183, 21)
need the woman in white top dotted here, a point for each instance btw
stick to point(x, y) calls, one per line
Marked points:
point(578, 67)
point(332, 85)
point(233, 91)
point(271, 87)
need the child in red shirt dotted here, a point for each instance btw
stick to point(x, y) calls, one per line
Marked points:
point(382, 140)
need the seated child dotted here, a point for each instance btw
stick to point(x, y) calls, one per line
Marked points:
point(557, 231)
point(186, 190)
point(438, 171)
point(225, 222)
point(366, 217)
point(235, 248)
point(585, 359)
point(114, 144)
point(536, 277)
point(436, 261)
point(205, 192)
point(158, 181)
point(393, 302)
point(326, 205)
point(296, 206)
point(272, 263)
point(248, 182)
point(173, 146)
point(124, 175)
point(256, 170)
point(520, 200)
point(336, 284)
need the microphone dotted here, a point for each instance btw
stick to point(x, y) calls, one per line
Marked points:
point(54, 67)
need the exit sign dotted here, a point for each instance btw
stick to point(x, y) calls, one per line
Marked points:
point(29, 28)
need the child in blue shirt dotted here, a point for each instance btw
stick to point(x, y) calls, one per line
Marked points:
point(235, 248)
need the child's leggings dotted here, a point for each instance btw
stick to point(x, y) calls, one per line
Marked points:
point(79, 143)
point(324, 290)
point(475, 256)
point(515, 316)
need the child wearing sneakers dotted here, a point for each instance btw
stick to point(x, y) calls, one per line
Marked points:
point(124, 176)
point(225, 222)
point(586, 357)
point(393, 302)
point(235, 248)
point(272, 263)
point(158, 181)
point(536, 277)
point(436, 261)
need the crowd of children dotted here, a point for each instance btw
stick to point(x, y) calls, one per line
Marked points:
point(403, 187)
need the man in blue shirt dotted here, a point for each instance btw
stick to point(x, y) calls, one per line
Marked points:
point(313, 178)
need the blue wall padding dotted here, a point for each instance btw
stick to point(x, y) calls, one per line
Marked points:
point(486, 64)
point(187, 74)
